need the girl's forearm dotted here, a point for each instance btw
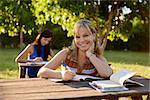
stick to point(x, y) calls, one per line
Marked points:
point(102, 67)
point(23, 60)
point(49, 73)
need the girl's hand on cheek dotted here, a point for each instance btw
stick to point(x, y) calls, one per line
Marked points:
point(90, 51)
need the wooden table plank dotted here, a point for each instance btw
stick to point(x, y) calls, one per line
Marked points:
point(55, 95)
point(37, 88)
point(11, 89)
point(45, 88)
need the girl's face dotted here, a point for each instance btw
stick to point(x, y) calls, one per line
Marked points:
point(84, 39)
point(45, 41)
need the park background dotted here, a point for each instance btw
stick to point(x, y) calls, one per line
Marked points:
point(125, 21)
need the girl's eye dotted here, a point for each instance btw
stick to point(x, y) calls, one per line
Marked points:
point(77, 37)
point(85, 35)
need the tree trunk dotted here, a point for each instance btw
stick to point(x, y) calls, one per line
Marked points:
point(21, 39)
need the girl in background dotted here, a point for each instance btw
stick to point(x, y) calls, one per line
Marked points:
point(37, 51)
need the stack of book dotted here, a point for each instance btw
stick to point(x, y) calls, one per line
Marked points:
point(118, 82)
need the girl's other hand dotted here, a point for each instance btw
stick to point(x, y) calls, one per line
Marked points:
point(102, 42)
point(38, 59)
point(67, 75)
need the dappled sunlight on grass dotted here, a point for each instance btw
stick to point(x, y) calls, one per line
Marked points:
point(9, 74)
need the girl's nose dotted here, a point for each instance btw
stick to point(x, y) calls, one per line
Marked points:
point(82, 39)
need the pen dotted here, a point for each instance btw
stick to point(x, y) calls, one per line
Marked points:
point(66, 66)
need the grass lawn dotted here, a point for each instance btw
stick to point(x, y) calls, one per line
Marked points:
point(135, 61)
point(8, 67)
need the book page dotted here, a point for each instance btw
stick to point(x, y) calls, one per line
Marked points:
point(56, 79)
point(121, 76)
point(37, 63)
point(76, 78)
point(106, 84)
point(83, 77)
point(109, 89)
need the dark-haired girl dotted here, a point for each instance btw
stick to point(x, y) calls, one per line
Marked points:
point(39, 50)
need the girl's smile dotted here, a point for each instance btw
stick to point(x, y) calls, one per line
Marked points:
point(83, 39)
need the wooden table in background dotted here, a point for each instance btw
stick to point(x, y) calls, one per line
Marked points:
point(23, 66)
point(37, 88)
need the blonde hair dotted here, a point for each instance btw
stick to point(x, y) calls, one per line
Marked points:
point(81, 24)
point(84, 24)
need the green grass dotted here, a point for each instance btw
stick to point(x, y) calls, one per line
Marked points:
point(8, 67)
point(135, 61)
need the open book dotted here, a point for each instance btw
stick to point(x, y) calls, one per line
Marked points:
point(85, 77)
point(116, 82)
point(79, 78)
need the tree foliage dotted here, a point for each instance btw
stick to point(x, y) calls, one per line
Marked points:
point(106, 15)
point(16, 17)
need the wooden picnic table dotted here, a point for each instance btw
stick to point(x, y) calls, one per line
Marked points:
point(23, 66)
point(38, 88)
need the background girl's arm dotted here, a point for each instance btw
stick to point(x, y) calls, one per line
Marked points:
point(22, 57)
